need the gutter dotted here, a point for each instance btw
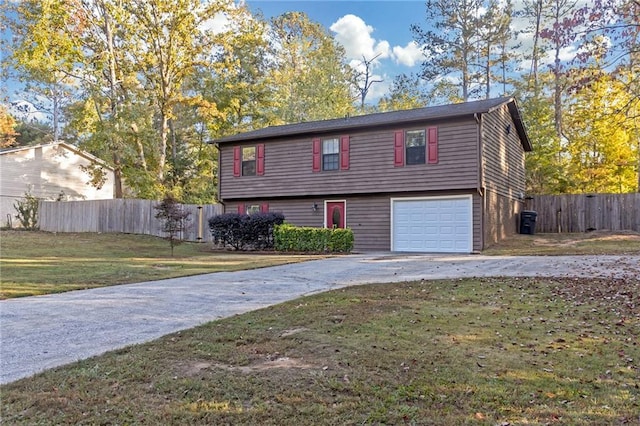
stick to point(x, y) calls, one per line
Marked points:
point(218, 174)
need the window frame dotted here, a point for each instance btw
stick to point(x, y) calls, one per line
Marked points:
point(339, 155)
point(252, 208)
point(415, 154)
point(330, 160)
point(248, 167)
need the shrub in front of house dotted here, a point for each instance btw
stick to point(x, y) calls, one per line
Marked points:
point(245, 232)
point(317, 240)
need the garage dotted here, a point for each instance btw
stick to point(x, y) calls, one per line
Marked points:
point(432, 224)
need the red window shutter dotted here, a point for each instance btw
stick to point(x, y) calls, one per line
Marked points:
point(260, 159)
point(432, 145)
point(344, 153)
point(264, 208)
point(317, 149)
point(241, 209)
point(237, 161)
point(398, 151)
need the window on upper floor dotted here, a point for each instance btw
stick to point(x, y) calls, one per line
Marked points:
point(415, 147)
point(331, 154)
point(248, 160)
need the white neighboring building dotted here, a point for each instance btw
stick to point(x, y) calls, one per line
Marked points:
point(49, 172)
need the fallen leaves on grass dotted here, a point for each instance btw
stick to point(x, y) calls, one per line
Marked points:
point(495, 351)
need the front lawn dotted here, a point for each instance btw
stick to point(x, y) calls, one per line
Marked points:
point(34, 263)
point(584, 243)
point(500, 351)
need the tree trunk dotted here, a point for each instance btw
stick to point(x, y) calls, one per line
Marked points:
point(162, 154)
point(536, 38)
point(174, 147)
point(465, 77)
point(487, 75)
point(557, 95)
point(113, 100)
point(56, 111)
point(117, 175)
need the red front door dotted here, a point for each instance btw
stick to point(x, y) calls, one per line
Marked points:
point(335, 214)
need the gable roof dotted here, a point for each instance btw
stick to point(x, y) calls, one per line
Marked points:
point(387, 118)
point(65, 145)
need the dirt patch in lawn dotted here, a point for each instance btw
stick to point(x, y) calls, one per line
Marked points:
point(196, 368)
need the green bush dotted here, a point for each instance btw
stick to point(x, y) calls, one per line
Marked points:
point(307, 239)
point(340, 241)
point(27, 209)
point(245, 232)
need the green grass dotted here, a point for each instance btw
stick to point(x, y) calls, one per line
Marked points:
point(599, 242)
point(34, 263)
point(482, 352)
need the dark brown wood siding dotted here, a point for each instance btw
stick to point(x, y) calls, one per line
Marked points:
point(502, 215)
point(502, 155)
point(289, 173)
point(369, 216)
point(503, 176)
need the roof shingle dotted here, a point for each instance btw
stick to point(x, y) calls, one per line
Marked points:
point(385, 118)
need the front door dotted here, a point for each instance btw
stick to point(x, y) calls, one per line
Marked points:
point(335, 214)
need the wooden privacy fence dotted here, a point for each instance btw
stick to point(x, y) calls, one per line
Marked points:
point(586, 212)
point(128, 216)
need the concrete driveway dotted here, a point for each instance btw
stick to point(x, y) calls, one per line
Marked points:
point(37, 333)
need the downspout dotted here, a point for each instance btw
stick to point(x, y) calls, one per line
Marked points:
point(479, 188)
point(479, 140)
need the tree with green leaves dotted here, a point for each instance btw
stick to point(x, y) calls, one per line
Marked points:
point(130, 63)
point(545, 166)
point(173, 39)
point(406, 92)
point(602, 150)
point(464, 44)
point(237, 82)
point(174, 218)
point(32, 133)
point(533, 11)
point(495, 36)
point(310, 78)
point(609, 34)
point(44, 56)
point(449, 43)
point(77, 40)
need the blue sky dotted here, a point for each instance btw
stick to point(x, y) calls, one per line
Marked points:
point(364, 28)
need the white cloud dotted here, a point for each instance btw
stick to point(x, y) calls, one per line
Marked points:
point(409, 55)
point(218, 24)
point(380, 89)
point(355, 36)
point(357, 39)
point(25, 111)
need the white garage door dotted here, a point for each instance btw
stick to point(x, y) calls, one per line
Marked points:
point(438, 225)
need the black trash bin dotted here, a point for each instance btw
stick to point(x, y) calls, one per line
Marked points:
point(528, 222)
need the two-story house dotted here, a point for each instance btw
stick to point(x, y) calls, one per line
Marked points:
point(438, 179)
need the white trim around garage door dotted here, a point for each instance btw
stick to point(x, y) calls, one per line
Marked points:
point(445, 226)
